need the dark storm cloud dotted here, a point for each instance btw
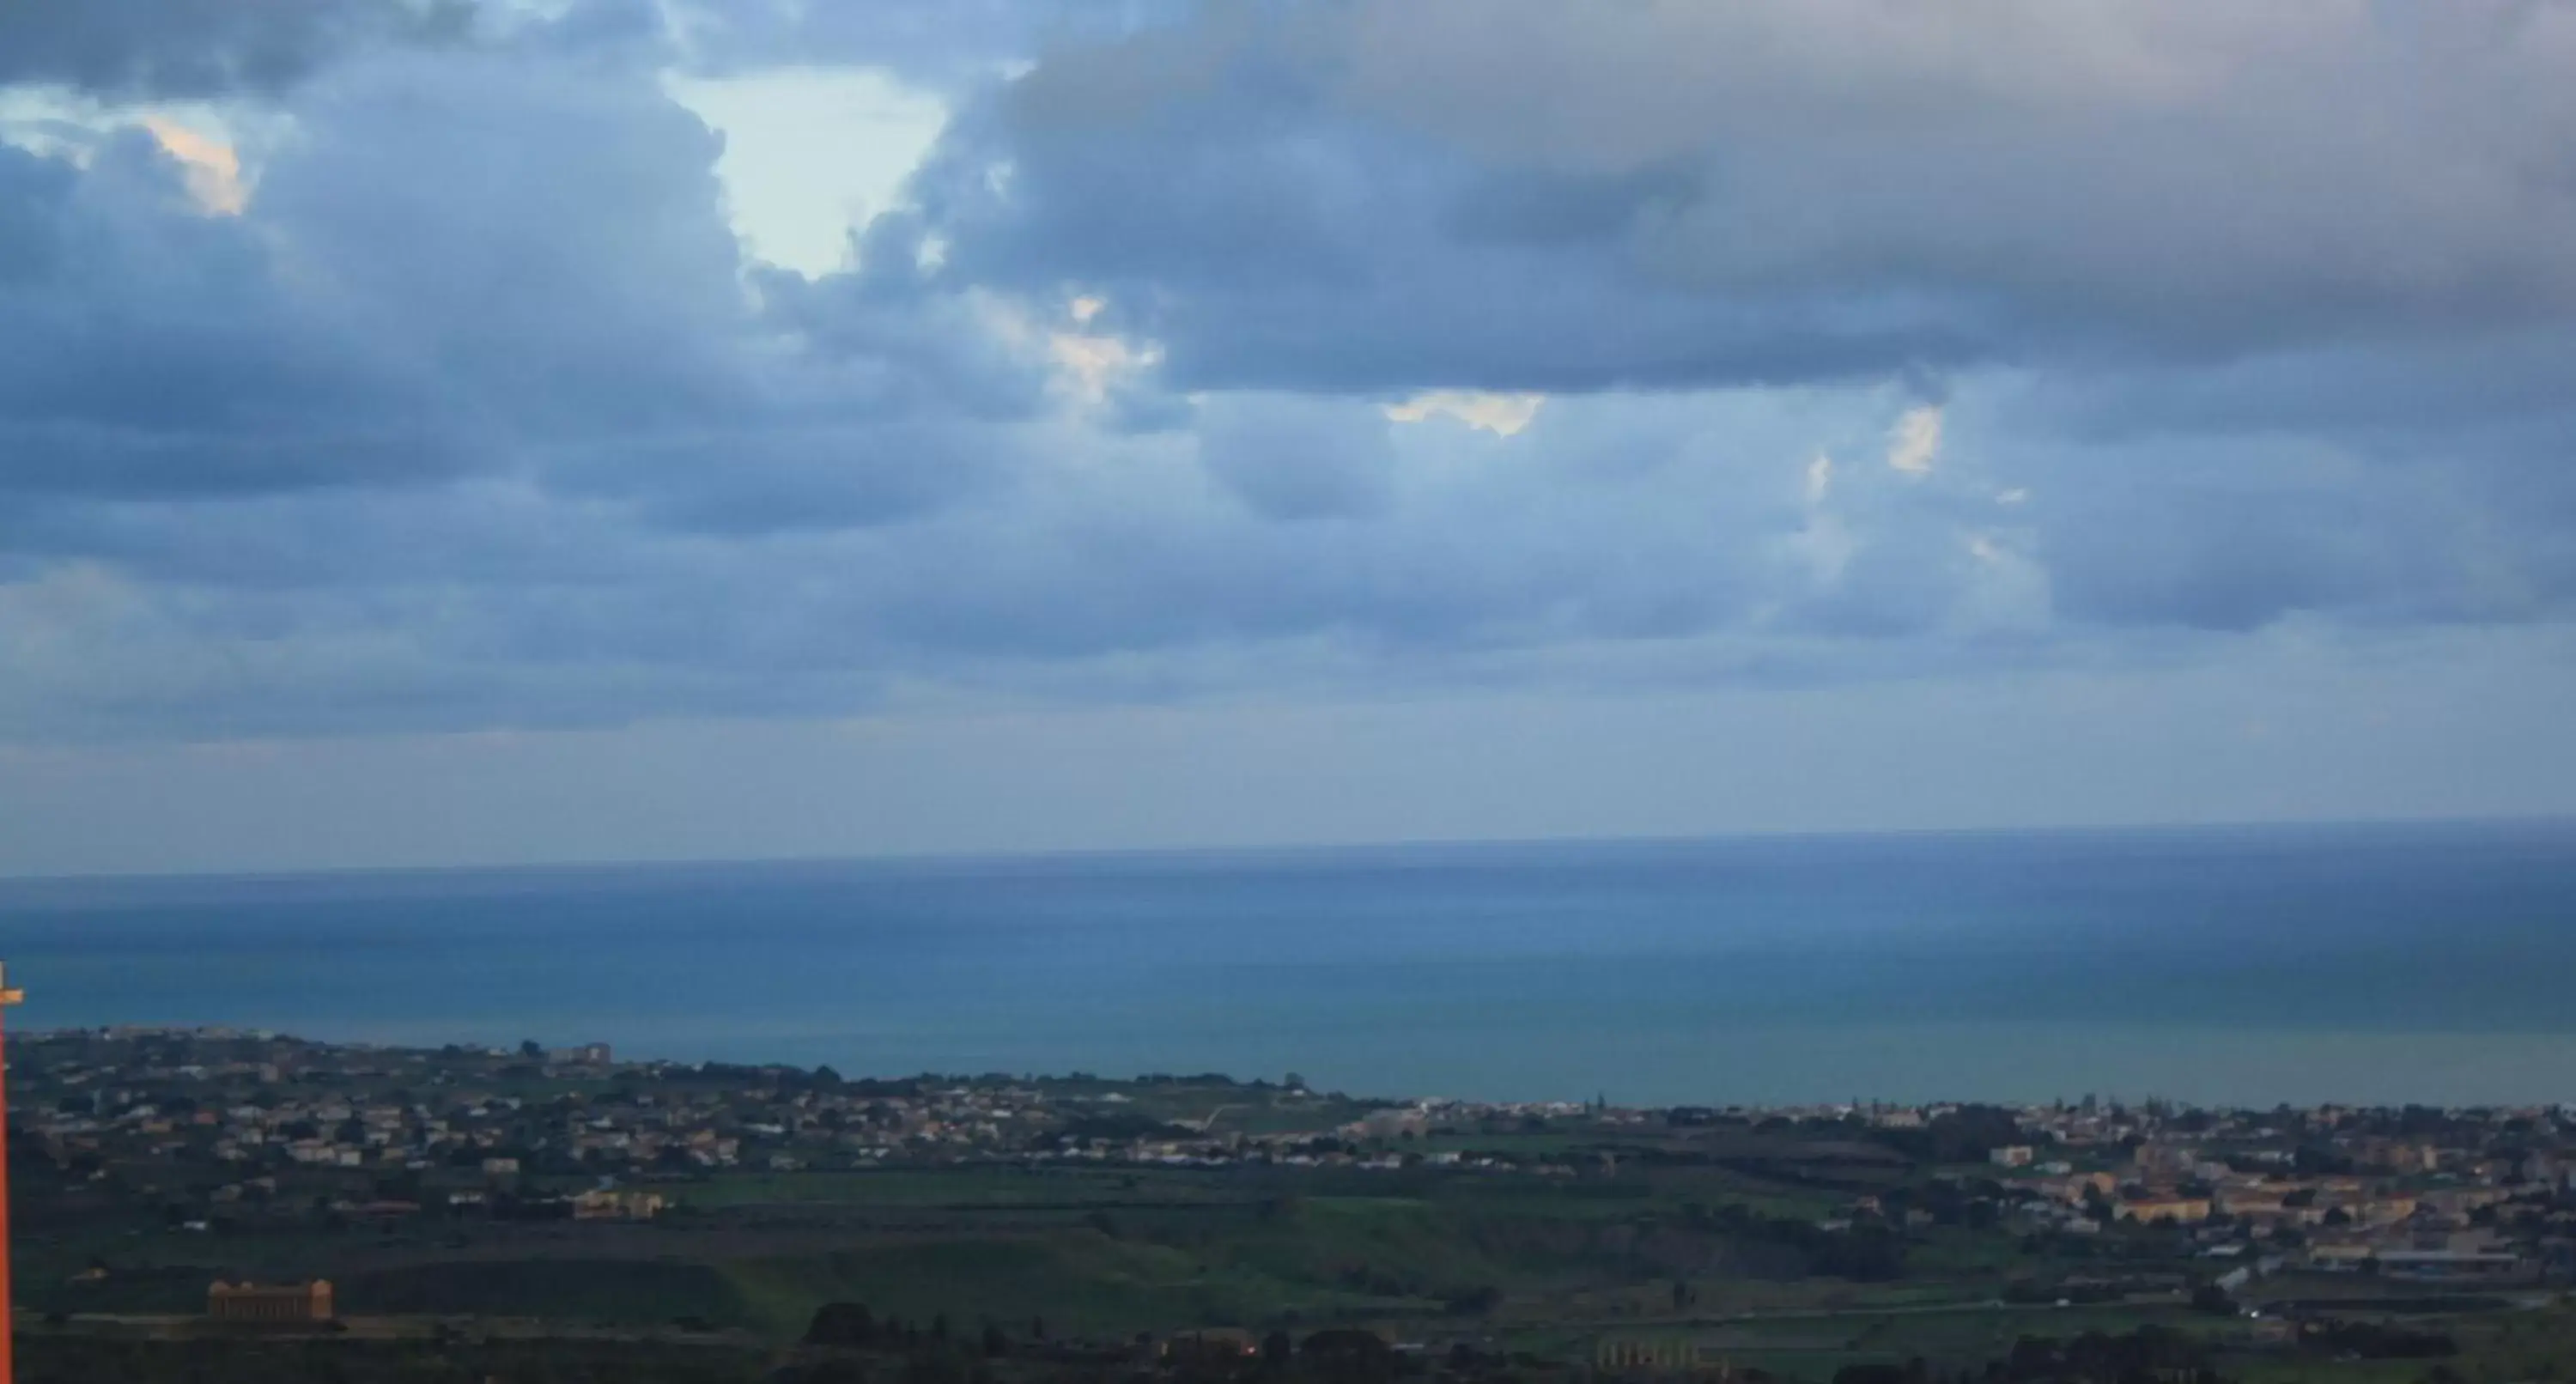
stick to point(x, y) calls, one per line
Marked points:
point(465, 265)
point(148, 349)
point(173, 48)
point(2239, 534)
point(1384, 195)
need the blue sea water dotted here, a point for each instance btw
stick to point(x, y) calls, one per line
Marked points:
point(2378, 963)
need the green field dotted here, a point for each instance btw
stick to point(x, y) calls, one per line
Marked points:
point(1649, 1231)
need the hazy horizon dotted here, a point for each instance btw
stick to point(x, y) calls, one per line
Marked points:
point(1286, 850)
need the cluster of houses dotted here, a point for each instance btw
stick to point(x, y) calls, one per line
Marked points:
point(243, 1122)
point(2479, 1194)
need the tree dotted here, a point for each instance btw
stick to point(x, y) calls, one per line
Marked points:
point(842, 1324)
point(529, 1049)
point(1476, 1302)
point(1349, 1354)
point(2097, 1204)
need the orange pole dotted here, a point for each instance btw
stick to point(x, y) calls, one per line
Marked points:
point(8, 1312)
point(8, 1316)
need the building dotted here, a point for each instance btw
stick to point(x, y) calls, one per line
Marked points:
point(2074, 1189)
point(2164, 1163)
point(2388, 1210)
point(1217, 1346)
point(1677, 1353)
point(270, 1305)
point(2013, 1156)
point(2412, 1158)
point(1388, 1124)
point(2446, 1264)
point(616, 1206)
point(2185, 1210)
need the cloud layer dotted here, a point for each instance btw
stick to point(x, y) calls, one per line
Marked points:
point(1307, 351)
point(165, 48)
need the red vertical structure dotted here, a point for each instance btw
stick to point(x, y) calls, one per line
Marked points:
point(8, 1314)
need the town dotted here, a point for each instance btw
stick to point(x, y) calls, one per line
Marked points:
point(215, 1125)
point(169, 1177)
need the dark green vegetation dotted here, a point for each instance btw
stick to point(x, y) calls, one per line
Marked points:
point(850, 1344)
point(44, 1359)
point(1644, 1241)
point(1102, 1250)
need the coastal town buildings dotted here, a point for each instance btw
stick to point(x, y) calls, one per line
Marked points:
point(227, 1128)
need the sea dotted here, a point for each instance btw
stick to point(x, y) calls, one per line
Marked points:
point(2246, 966)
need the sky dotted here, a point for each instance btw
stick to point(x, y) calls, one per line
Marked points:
point(488, 431)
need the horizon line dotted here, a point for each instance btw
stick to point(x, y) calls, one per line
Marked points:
point(10, 881)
